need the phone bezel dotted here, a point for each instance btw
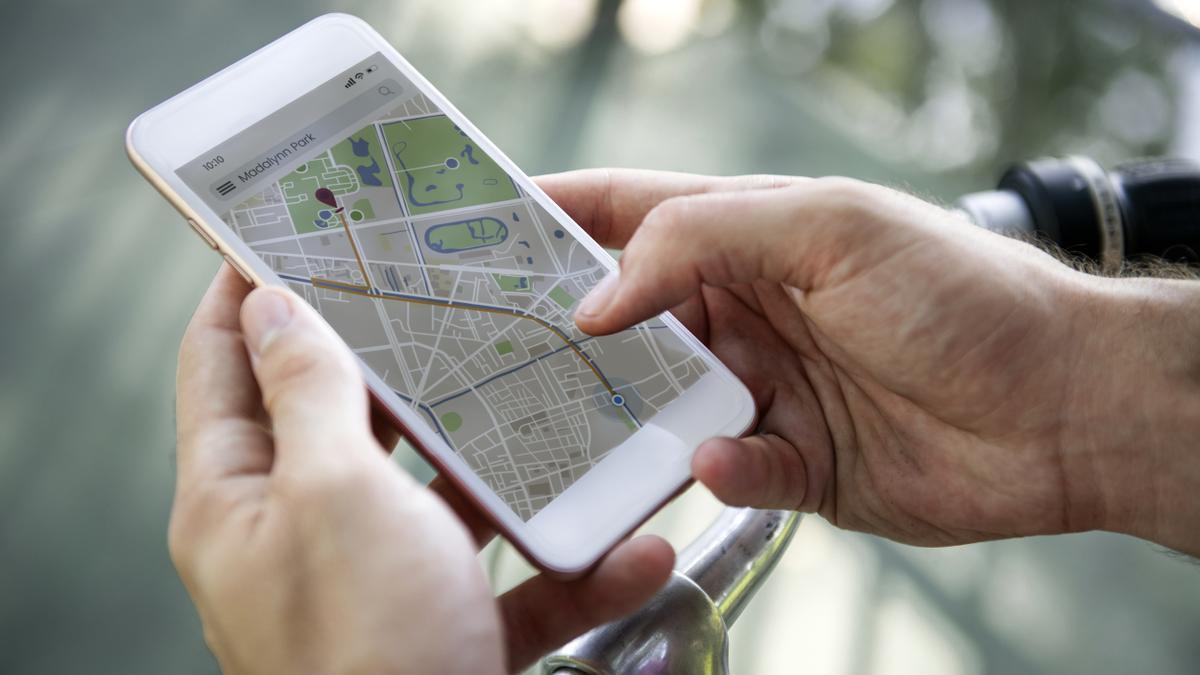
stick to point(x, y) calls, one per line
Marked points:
point(584, 528)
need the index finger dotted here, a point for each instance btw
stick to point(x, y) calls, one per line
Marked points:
point(216, 393)
point(610, 203)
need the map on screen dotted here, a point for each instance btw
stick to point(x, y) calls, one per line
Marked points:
point(457, 288)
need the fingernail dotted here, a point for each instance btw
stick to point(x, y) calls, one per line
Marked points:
point(264, 314)
point(600, 297)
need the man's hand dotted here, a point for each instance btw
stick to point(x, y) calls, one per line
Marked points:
point(916, 377)
point(307, 551)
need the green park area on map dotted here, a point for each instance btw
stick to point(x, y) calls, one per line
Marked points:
point(438, 167)
point(299, 186)
point(362, 153)
point(358, 162)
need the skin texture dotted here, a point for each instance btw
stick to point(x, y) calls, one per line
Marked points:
point(307, 551)
point(915, 377)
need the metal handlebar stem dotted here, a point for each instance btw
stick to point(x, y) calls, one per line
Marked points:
point(684, 628)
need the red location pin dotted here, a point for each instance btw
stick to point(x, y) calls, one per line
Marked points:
point(325, 196)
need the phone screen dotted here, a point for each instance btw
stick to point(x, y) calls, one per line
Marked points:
point(451, 283)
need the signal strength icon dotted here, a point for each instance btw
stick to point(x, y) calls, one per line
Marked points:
point(350, 82)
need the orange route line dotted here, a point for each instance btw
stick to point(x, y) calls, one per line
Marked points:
point(366, 291)
point(366, 286)
point(355, 289)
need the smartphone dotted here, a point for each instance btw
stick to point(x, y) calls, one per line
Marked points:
point(325, 163)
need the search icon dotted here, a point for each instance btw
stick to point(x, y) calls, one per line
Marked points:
point(385, 90)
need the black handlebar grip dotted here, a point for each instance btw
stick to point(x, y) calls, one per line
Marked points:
point(1160, 200)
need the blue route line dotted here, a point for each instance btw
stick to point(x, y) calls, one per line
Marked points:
point(452, 304)
point(631, 415)
point(432, 418)
point(528, 363)
point(502, 373)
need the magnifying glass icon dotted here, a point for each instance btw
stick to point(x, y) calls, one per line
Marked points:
point(385, 90)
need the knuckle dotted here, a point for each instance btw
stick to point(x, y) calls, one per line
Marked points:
point(778, 479)
point(190, 349)
point(662, 227)
point(607, 209)
point(840, 186)
point(754, 181)
point(845, 197)
point(198, 513)
point(186, 343)
point(212, 638)
point(668, 216)
point(191, 333)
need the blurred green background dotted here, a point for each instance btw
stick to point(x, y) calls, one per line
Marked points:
point(98, 277)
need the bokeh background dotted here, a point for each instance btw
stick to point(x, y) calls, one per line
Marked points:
point(98, 277)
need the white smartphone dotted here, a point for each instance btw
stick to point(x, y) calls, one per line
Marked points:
point(325, 163)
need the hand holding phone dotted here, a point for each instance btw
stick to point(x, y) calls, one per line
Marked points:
point(306, 550)
point(326, 164)
point(918, 378)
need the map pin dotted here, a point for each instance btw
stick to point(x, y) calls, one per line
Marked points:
point(325, 196)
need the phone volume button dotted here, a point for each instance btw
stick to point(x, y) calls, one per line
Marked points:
point(235, 265)
point(203, 235)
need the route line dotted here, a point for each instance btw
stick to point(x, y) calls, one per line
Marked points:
point(428, 411)
point(463, 392)
point(366, 285)
point(356, 289)
point(509, 371)
point(365, 289)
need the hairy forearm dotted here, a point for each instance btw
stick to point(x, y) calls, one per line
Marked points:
point(1141, 380)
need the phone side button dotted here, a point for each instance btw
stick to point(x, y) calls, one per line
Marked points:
point(234, 264)
point(203, 235)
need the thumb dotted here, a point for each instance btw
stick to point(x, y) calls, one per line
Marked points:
point(311, 385)
point(794, 235)
point(764, 472)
